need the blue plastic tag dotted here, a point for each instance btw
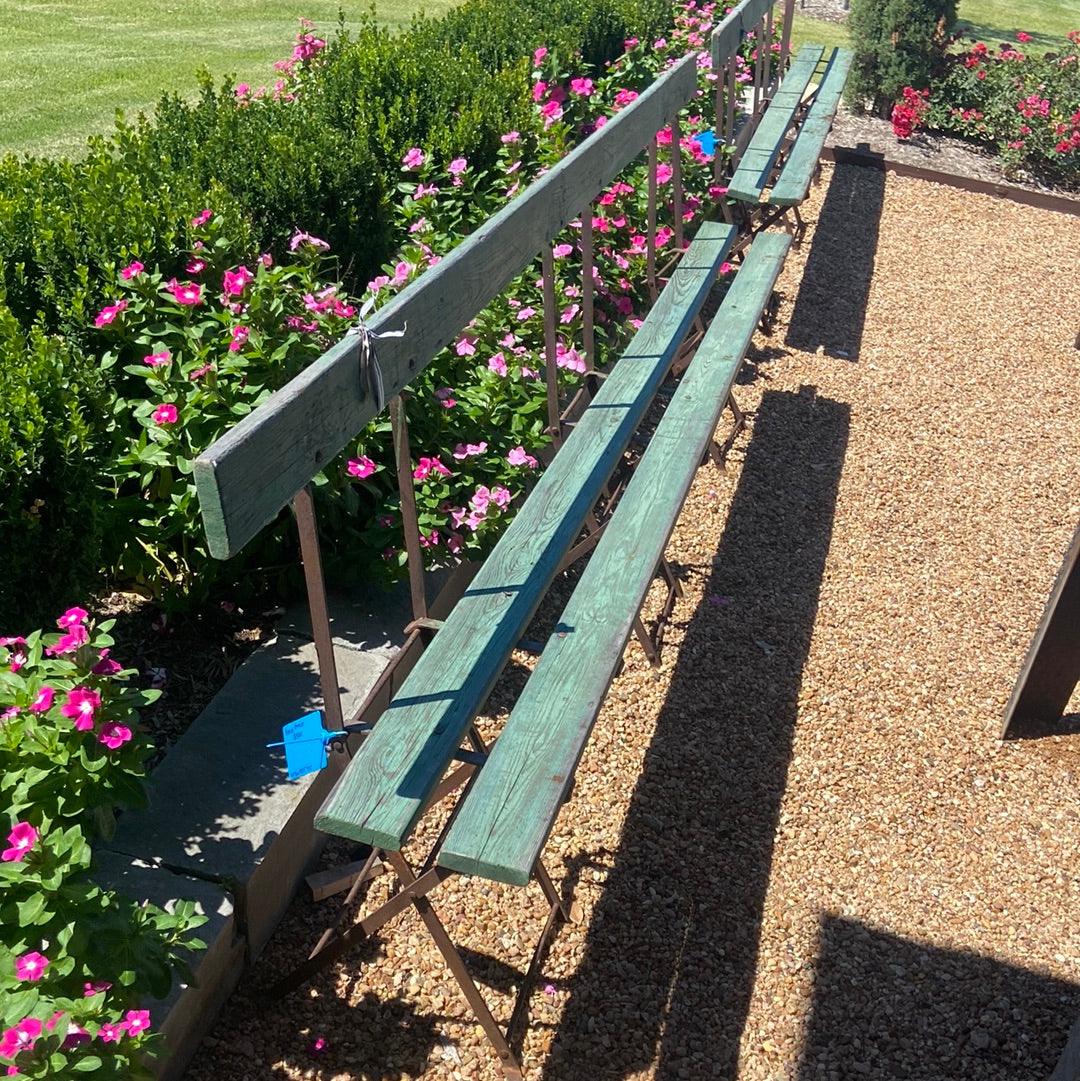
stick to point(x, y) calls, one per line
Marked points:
point(305, 745)
point(707, 141)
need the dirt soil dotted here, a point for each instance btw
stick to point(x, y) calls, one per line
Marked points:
point(798, 849)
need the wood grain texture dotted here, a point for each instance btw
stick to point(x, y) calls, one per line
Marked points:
point(1051, 668)
point(508, 814)
point(247, 476)
point(794, 182)
point(728, 35)
point(760, 156)
point(383, 790)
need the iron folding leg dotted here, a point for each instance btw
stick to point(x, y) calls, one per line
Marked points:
point(415, 884)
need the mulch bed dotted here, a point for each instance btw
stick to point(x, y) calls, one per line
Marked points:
point(189, 656)
point(798, 848)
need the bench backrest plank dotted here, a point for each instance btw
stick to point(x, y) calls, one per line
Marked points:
point(384, 788)
point(247, 476)
point(507, 815)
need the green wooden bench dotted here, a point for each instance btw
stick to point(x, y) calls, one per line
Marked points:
point(507, 815)
point(777, 167)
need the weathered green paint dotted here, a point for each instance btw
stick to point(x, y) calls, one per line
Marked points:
point(768, 140)
point(247, 476)
point(508, 814)
point(739, 21)
point(384, 788)
point(794, 182)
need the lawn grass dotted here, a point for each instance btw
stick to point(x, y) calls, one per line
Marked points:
point(992, 21)
point(66, 66)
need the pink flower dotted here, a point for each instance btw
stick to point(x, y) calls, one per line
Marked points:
point(570, 359)
point(132, 270)
point(511, 137)
point(185, 292)
point(429, 540)
point(500, 496)
point(480, 499)
point(114, 735)
point(43, 702)
point(583, 88)
point(67, 643)
point(242, 90)
point(95, 987)
point(73, 617)
point(454, 543)
point(497, 364)
point(569, 313)
point(104, 666)
point(413, 158)
point(429, 466)
point(21, 839)
point(31, 966)
point(457, 166)
point(9, 713)
point(239, 337)
point(538, 91)
point(424, 190)
point(196, 266)
point(111, 1032)
point(202, 218)
point(525, 313)
point(360, 467)
point(469, 450)
point(624, 97)
point(233, 282)
point(80, 704)
point(20, 1038)
point(198, 373)
point(317, 1046)
point(157, 360)
point(518, 456)
point(1022, 36)
point(663, 173)
point(716, 190)
point(401, 272)
point(109, 313)
point(165, 413)
point(726, 268)
point(561, 251)
point(465, 347)
point(551, 112)
point(538, 55)
point(310, 241)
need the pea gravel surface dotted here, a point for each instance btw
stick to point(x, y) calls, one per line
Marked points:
point(798, 849)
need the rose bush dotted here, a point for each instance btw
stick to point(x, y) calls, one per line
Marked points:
point(77, 961)
point(1023, 105)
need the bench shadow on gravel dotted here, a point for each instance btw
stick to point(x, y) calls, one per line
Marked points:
point(672, 945)
point(887, 1007)
point(830, 307)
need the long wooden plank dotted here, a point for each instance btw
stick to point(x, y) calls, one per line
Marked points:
point(756, 164)
point(383, 790)
point(509, 812)
point(249, 474)
point(794, 182)
point(729, 33)
point(1051, 668)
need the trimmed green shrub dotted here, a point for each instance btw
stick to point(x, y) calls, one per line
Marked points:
point(897, 43)
point(51, 514)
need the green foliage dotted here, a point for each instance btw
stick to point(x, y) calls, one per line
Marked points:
point(51, 516)
point(77, 961)
point(897, 43)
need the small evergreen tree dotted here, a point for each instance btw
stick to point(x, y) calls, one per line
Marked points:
point(897, 43)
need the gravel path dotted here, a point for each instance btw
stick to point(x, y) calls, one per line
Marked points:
point(799, 850)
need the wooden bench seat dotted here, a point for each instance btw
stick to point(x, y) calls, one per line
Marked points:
point(756, 164)
point(756, 168)
point(386, 786)
point(794, 182)
point(506, 816)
